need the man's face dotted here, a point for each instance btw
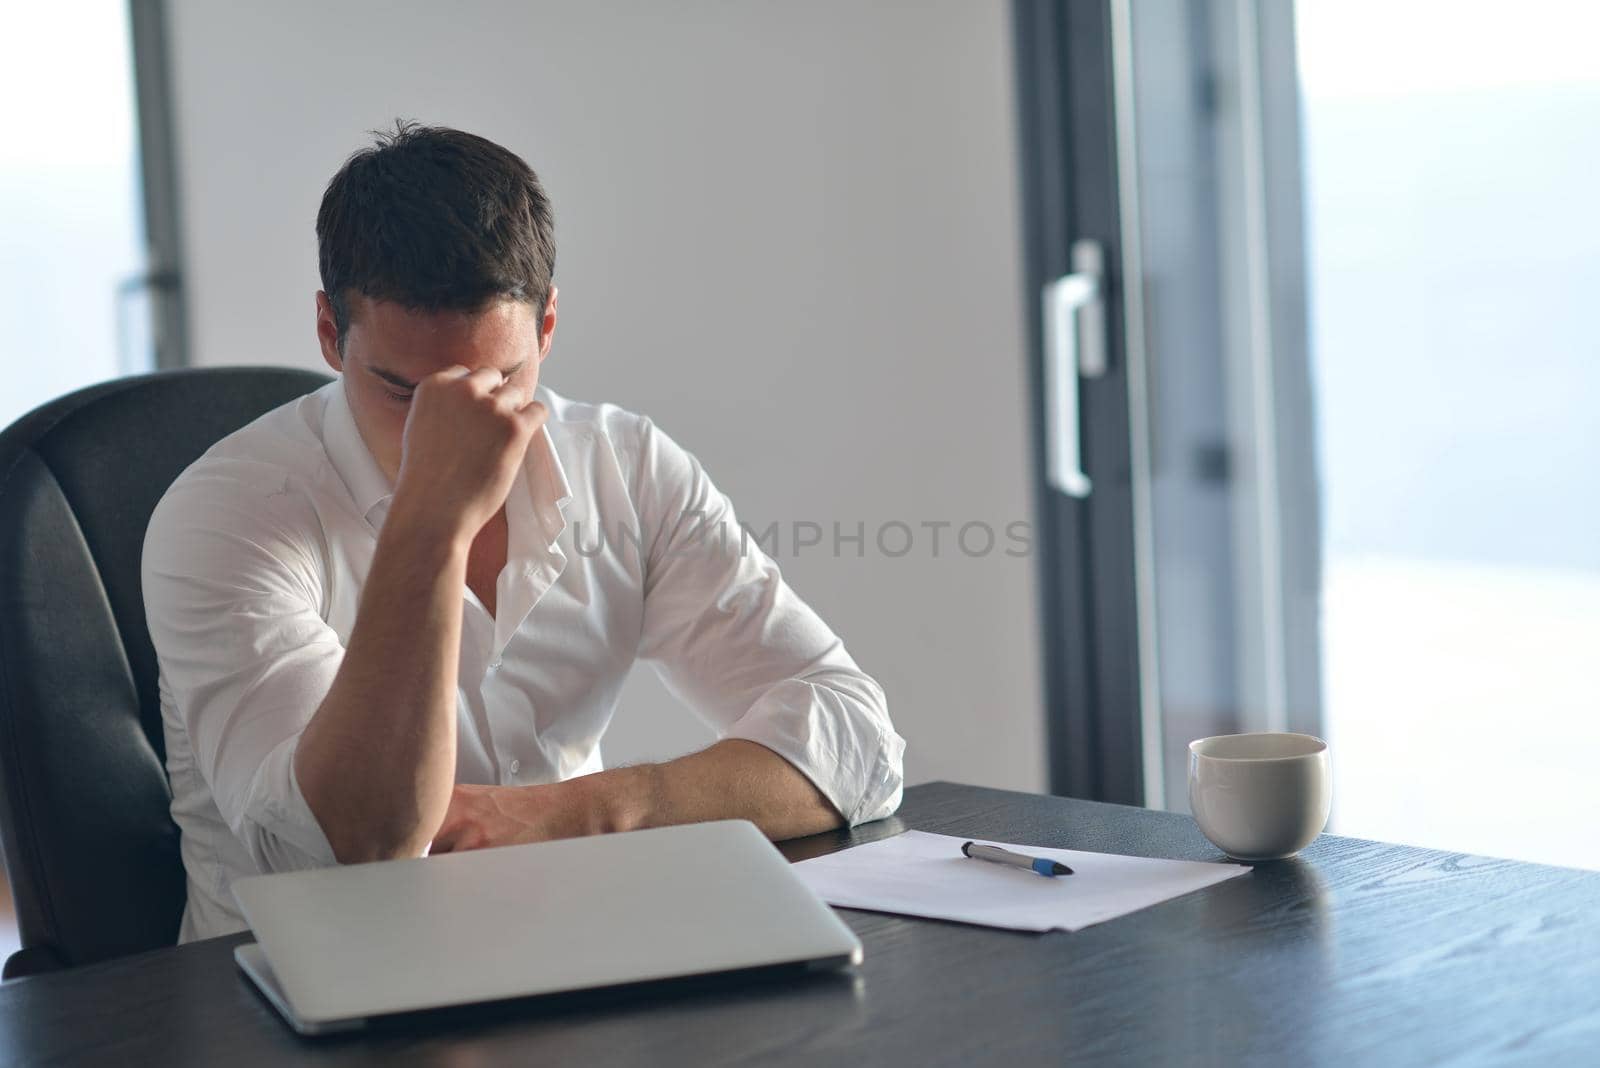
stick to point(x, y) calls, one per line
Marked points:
point(388, 348)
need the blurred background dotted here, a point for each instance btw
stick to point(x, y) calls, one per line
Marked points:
point(1339, 460)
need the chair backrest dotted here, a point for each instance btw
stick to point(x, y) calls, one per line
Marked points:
point(89, 842)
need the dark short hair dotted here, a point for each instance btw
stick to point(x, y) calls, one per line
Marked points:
point(434, 219)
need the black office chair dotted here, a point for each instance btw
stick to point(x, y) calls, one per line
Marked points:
point(89, 844)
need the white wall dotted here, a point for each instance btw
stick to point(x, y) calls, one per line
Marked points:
point(787, 231)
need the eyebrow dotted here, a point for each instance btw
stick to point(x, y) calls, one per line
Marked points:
point(403, 383)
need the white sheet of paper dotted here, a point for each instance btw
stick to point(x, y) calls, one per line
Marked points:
point(921, 874)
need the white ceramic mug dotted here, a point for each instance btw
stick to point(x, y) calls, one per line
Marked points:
point(1261, 796)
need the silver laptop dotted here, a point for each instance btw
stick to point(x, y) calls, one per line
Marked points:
point(339, 946)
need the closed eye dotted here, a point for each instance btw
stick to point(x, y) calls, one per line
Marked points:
point(401, 397)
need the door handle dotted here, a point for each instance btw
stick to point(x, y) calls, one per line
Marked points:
point(1074, 347)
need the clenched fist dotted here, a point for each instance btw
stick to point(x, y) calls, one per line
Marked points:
point(465, 436)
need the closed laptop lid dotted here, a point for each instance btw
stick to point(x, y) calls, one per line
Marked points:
point(395, 936)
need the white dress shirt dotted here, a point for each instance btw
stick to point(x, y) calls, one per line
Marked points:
point(253, 566)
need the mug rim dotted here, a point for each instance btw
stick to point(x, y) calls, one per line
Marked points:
point(1320, 748)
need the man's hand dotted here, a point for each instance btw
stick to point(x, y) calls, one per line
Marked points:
point(484, 816)
point(465, 436)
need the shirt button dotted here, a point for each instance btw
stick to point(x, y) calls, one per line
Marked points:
point(516, 766)
point(494, 663)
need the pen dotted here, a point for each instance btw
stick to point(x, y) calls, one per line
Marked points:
point(1042, 865)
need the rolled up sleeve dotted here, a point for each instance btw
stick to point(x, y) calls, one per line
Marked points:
point(732, 640)
point(231, 594)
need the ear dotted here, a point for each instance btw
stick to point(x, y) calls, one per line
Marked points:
point(547, 327)
point(328, 333)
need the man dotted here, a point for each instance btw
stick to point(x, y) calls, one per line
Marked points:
point(393, 616)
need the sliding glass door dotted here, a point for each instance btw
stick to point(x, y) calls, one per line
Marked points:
point(1347, 249)
point(1453, 265)
point(88, 283)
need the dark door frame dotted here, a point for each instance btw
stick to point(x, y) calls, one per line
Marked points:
point(1086, 558)
point(163, 277)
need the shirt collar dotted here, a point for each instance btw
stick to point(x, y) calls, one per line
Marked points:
point(350, 457)
point(554, 487)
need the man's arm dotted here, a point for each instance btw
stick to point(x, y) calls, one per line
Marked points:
point(377, 761)
point(731, 779)
point(807, 743)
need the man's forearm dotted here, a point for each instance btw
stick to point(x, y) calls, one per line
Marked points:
point(733, 779)
point(377, 761)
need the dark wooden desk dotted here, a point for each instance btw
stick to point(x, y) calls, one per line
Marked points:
point(1356, 953)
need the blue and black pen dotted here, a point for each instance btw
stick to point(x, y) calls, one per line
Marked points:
point(1042, 865)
